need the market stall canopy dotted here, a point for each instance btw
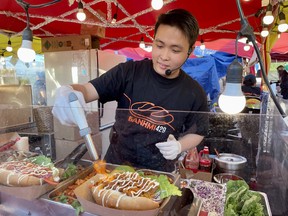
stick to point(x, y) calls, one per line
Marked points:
point(217, 19)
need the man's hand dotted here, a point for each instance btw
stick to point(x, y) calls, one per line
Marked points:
point(61, 109)
point(169, 149)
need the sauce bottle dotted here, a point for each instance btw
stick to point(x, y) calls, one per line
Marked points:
point(204, 160)
point(192, 160)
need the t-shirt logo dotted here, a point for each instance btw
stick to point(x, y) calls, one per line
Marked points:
point(150, 116)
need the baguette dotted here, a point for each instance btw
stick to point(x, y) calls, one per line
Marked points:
point(125, 191)
point(10, 178)
point(24, 173)
point(115, 199)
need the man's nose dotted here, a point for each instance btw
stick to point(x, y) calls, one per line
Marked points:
point(165, 54)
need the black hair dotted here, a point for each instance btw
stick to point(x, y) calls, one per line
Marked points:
point(279, 67)
point(183, 20)
point(249, 80)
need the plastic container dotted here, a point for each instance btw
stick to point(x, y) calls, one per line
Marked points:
point(204, 160)
point(192, 160)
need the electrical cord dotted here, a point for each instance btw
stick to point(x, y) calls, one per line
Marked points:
point(25, 4)
point(247, 31)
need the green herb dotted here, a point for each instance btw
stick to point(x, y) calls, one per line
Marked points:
point(71, 170)
point(77, 206)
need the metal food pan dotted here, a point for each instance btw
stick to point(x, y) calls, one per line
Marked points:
point(265, 203)
point(64, 185)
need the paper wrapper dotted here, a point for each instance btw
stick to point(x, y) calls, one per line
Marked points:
point(6, 137)
point(27, 193)
point(84, 196)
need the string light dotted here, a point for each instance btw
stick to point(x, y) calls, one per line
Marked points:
point(157, 4)
point(142, 44)
point(283, 26)
point(264, 32)
point(247, 46)
point(9, 46)
point(278, 35)
point(268, 18)
point(202, 46)
point(115, 16)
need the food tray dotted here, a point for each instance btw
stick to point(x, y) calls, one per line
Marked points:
point(64, 185)
point(212, 195)
point(28, 193)
point(265, 203)
point(84, 196)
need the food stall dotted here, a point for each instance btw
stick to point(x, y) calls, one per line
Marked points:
point(247, 149)
point(259, 138)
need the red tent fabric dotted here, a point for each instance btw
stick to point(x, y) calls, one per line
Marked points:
point(217, 19)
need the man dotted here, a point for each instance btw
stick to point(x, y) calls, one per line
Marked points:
point(155, 98)
point(249, 85)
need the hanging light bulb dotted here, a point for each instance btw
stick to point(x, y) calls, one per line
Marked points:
point(34, 63)
point(268, 18)
point(247, 46)
point(264, 32)
point(81, 16)
point(9, 47)
point(25, 52)
point(283, 26)
point(115, 16)
point(202, 46)
point(157, 4)
point(2, 59)
point(278, 35)
point(232, 100)
point(142, 44)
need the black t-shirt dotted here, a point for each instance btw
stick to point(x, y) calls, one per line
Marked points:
point(150, 107)
point(253, 90)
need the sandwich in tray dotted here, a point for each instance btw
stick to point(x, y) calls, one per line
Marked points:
point(29, 172)
point(128, 189)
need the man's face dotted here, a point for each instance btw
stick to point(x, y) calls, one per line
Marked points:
point(170, 50)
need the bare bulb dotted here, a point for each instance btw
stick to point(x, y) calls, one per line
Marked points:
point(157, 4)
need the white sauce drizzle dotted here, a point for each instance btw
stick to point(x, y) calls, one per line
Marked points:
point(25, 168)
point(118, 200)
point(128, 181)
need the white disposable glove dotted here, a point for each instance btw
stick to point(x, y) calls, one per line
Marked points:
point(169, 149)
point(61, 109)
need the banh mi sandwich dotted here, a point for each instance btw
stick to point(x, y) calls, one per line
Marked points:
point(29, 172)
point(132, 190)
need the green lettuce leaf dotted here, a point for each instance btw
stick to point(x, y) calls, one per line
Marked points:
point(42, 160)
point(233, 186)
point(166, 188)
point(71, 170)
point(242, 201)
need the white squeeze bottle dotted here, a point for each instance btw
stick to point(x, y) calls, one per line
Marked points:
point(192, 159)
